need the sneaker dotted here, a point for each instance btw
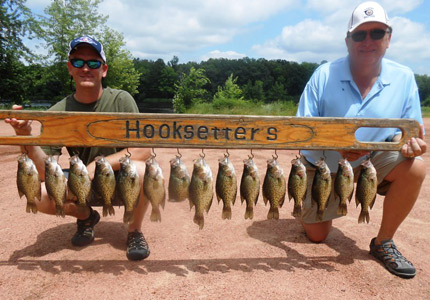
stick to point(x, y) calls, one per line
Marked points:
point(85, 234)
point(393, 260)
point(137, 247)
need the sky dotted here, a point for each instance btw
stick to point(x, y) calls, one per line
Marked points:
point(300, 31)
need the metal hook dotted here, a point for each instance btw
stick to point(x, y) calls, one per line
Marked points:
point(226, 154)
point(202, 155)
point(128, 154)
point(153, 153)
point(179, 155)
point(251, 156)
point(275, 157)
point(25, 150)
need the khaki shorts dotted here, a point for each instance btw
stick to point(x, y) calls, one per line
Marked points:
point(383, 161)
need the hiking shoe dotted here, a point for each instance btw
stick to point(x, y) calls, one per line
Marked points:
point(137, 247)
point(85, 234)
point(393, 260)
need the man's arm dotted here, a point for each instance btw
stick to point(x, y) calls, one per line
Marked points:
point(23, 127)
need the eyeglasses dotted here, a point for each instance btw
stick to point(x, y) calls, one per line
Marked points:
point(375, 34)
point(92, 64)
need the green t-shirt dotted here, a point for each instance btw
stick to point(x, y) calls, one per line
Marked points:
point(112, 100)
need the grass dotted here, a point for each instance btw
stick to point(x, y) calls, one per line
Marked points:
point(280, 108)
point(425, 111)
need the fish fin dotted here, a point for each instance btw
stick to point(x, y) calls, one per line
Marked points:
point(372, 203)
point(234, 198)
point(297, 211)
point(209, 205)
point(128, 217)
point(242, 199)
point(155, 214)
point(31, 207)
point(199, 220)
point(350, 196)
point(218, 198)
point(226, 213)
point(191, 203)
point(249, 213)
point(289, 196)
point(265, 200)
point(20, 193)
point(59, 211)
point(282, 201)
point(319, 216)
point(108, 210)
point(342, 209)
point(356, 201)
point(364, 216)
point(273, 213)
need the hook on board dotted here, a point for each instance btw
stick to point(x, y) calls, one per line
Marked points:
point(128, 154)
point(252, 155)
point(275, 157)
point(202, 155)
point(179, 155)
point(226, 154)
point(153, 153)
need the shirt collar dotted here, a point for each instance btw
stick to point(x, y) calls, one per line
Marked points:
point(383, 78)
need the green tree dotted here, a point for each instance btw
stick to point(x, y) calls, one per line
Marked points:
point(190, 89)
point(16, 22)
point(121, 72)
point(230, 90)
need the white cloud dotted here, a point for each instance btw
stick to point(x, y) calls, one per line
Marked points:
point(225, 54)
point(175, 26)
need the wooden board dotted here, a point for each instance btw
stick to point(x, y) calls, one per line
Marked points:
point(203, 131)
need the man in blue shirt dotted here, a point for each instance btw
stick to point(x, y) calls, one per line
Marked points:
point(366, 85)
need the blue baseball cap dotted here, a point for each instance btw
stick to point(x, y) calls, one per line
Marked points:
point(89, 41)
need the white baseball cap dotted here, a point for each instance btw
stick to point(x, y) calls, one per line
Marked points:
point(367, 12)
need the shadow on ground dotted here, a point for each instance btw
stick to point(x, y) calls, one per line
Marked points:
point(284, 234)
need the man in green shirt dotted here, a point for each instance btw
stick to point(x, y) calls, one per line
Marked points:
point(87, 66)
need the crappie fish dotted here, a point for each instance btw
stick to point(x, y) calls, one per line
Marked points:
point(56, 184)
point(274, 188)
point(226, 186)
point(153, 188)
point(297, 185)
point(321, 188)
point(128, 187)
point(79, 183)
point(201, 190)
point(249, 186)
point(28, 182)
point(104, 184)
point(365, 193)
point(179, 180)
point(344, 185)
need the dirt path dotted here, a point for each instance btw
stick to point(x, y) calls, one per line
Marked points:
point(234, 259)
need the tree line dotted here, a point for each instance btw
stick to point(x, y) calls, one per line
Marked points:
point(27, 77)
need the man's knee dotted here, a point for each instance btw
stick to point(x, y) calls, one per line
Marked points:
point(317, 232)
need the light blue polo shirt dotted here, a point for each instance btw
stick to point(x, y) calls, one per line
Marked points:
point(331, 92)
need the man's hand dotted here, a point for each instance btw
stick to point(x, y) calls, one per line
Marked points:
point(21, 127)
point(353, 155)
point(416, 146)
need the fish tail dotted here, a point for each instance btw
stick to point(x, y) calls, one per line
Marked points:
point(108, 210)
point(226, 213)
point(342, 209)
point(273, 213)
point(364, 216)
point(297, 211)
point(320, 214)
point(59, 211)
point(128, 217)
point(199, 219)
point(31, 207)
point(155, 214)
point(249, 212)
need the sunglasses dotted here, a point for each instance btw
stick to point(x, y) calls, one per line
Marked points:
point(92, 64)
point(375, 34)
